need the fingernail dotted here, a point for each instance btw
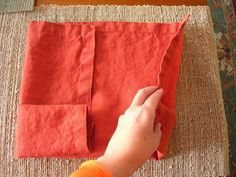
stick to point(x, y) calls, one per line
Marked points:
point(159, 125)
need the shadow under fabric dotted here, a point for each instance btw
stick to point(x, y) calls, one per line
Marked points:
point(79, 77)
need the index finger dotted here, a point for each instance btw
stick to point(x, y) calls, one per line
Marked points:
point(142, 95)
point(153, 100)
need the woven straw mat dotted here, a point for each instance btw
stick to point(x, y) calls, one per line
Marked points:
point(199, 144)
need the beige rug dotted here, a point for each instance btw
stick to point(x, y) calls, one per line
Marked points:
point(16, 5)
point(199, 145)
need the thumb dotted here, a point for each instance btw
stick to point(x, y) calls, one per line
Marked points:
point(157, 133)
point(157, 129)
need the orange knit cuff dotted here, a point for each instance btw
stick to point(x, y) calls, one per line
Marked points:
point(97, 164)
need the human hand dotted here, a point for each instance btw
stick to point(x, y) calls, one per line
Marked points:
point(136, 137)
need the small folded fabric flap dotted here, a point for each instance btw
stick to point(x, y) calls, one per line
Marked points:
point(51, 130)
point(166, 117)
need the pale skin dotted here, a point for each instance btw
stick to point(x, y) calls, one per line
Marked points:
point(136, 137)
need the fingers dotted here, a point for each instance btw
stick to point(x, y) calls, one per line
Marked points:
point(153, 100)
point(142, 95)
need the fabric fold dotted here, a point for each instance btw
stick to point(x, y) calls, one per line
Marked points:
point(167, 79)
point(55, 91)
point(51, 130)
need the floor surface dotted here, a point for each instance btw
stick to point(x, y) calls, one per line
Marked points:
point(122, 2)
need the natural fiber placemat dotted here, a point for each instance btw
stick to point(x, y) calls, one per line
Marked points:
point(16, 5)
point(199, 145)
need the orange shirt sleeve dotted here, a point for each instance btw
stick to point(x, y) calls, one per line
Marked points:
point(91, 168)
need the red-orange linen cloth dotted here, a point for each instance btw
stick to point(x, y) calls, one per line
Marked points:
point(78, 77)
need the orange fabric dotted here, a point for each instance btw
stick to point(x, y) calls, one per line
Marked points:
point(79, 77)
point(91, 168)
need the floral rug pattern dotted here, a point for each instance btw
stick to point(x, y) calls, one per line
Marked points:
point(224, 20)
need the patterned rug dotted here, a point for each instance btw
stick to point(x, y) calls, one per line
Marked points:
point(224, 21)
point(199, 145)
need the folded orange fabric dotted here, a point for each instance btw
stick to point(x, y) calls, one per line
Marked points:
point(78, 77)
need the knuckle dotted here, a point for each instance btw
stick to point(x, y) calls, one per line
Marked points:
point(141, 91)
point(134, 120)
point(127, 112)
point(120, 119)
point(145, 110)
point(129, 109)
